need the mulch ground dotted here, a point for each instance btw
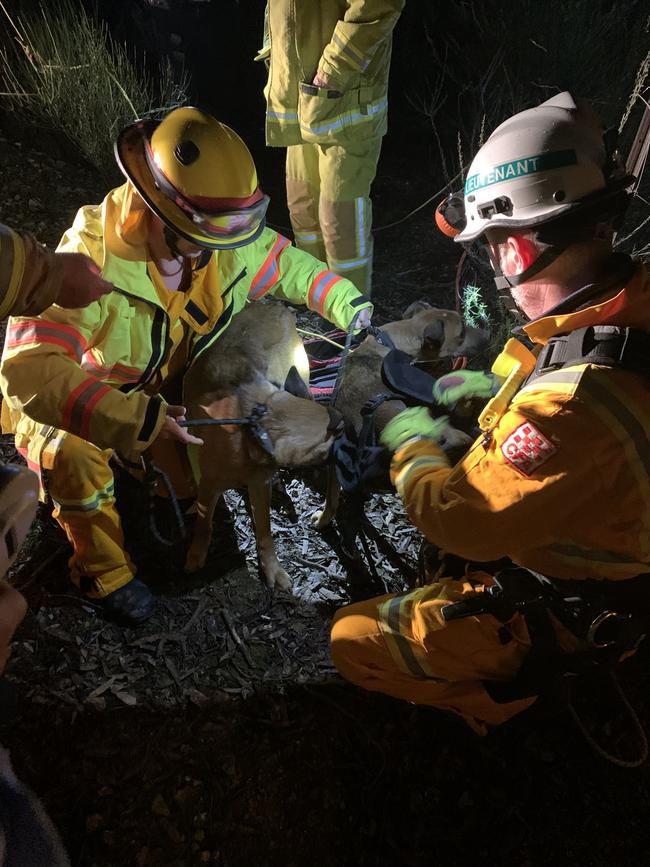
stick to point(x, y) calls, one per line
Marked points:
point(219, 732)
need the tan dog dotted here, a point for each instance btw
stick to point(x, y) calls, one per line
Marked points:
point(434, 337)
point(251, 365)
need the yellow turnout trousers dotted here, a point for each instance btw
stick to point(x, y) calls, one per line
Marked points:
point(81, 485)
point(328, 193)
point(401, 645)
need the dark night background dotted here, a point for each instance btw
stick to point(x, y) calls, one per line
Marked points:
point(283, 765)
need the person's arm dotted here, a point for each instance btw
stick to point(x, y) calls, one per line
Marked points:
point(516, 490)
point(41, 376)
point(298, 277)
point(364, 27)
point(32, 277)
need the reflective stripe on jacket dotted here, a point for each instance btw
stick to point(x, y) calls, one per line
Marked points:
point(561, 482)
point(348, 40)
point(30, 275)
point(96, 371)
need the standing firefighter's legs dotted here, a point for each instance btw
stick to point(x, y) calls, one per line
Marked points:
point(401, 645)
point(328, 192)
point(303, 194)
point(345, 209)
point(81, 486)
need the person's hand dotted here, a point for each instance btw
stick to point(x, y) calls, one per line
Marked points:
point(81, 283)
point(171, 430)
point(464, 385)
point(321, 79)
point(364, 318)
point(415, 422)
point(12, 610)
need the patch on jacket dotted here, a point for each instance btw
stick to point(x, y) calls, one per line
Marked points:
point(526, 449)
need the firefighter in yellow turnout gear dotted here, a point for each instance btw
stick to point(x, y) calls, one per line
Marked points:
point(327, 103)
point(557, 481)
point(185, 245)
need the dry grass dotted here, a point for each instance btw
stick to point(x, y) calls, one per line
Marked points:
point(61, 70)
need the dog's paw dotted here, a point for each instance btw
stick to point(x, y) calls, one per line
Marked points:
point(320, 519)
point(276, 576)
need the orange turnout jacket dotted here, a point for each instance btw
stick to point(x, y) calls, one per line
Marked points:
point(559, 479)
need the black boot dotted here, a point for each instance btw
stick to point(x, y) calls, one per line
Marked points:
point(129, 605)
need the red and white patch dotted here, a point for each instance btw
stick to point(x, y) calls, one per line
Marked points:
point(526, 449)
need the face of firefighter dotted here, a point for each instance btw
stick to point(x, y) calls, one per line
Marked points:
point(515, 254)
point(165, 245)
point(12, 611)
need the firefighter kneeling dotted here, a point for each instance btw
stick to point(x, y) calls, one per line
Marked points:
point(185, 244)
point(558, 481)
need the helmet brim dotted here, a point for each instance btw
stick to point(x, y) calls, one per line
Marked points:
point(131, 159)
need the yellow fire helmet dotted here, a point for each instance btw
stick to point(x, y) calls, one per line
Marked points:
point(197, 176)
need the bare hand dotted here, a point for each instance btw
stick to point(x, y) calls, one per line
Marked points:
point(363, 319)
point(81, 283)
point(323, 80)
point(171, 430)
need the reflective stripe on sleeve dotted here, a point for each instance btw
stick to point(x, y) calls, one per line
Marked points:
point(415, 467)
point(320, 289)
point(26, 332)
point(120, 372)
point(354, 56)
point(269, 273)
point(78, 408)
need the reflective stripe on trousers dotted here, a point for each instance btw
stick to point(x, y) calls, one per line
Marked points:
point(402, 646)
point(328, 193)
point(81, 486)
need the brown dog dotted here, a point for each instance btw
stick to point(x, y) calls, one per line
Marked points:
point(259, 357)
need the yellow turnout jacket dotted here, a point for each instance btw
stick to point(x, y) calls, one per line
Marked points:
point(560, 479)
point(96, 371)
point(348, 40)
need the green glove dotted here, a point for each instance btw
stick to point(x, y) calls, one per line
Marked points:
point(411, 423)
point(452, 388)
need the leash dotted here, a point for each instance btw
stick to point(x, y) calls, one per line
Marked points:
point(152, 475)
point(344, 358)
point(253, 422)
point(380, 336)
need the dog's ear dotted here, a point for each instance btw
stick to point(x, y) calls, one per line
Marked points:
point(295, 384)
point(415, 308)
point(433, 336)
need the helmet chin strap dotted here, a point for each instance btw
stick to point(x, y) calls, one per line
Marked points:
point(505, 283)
point(171, 239)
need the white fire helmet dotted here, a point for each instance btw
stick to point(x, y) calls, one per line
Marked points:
point(535, 167)
point(18, 503)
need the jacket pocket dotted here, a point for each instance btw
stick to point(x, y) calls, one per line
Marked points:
point(330, 117)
